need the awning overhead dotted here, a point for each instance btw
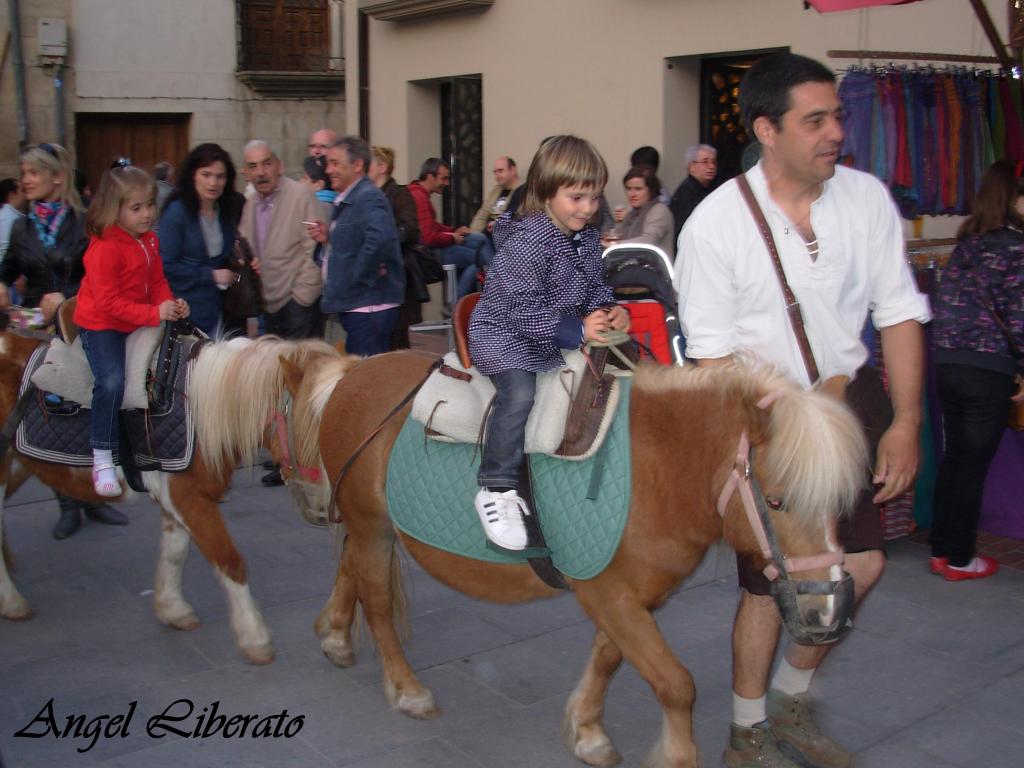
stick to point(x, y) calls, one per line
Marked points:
point(830, 6)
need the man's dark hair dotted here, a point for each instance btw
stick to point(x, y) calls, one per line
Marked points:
point(356, 148)
point(7, 188)
point(511, 162)
point(431, 166)
point(765, 89)
point(163, 171)
point(645, 156)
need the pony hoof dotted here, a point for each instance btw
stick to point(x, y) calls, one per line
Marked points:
point(338, 652)
point(17, 610)
point(602, 755)
point(420, 706)
point(259, 654)
point(185, 622)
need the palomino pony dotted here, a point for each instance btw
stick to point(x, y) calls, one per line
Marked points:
point(235, 390)
point(691, 437)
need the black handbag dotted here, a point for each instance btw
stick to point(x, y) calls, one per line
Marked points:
point(244, 297)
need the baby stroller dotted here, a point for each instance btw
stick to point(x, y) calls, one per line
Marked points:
point(641, 277)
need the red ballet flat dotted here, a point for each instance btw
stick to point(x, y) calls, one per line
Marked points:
point(990, 566)
point(937, 564)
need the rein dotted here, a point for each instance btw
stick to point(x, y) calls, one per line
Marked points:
point(369, 438)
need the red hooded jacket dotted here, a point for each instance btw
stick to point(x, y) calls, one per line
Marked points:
point(124, 282)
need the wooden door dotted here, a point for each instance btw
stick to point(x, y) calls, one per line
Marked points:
point(147, 139)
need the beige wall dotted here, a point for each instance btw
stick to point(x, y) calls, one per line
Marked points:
point(599, 67)
point(38, 83)
point(158, 56)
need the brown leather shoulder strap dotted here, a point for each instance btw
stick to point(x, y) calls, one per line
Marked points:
point(796, 318)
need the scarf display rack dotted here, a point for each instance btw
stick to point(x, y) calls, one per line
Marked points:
point(930, 133)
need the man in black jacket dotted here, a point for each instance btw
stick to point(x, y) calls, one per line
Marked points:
point(701, 169)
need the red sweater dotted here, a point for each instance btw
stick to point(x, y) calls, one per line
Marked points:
point(433, 234)
point(124, 283)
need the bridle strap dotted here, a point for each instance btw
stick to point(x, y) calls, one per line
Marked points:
point(282, 421)
point(741, 478)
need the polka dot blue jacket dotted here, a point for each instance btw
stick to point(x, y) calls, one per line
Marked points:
point(540, 286)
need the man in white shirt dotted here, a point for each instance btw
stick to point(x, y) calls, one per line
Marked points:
point(841, 245)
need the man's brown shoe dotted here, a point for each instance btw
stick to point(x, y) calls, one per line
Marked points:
point(755, 747)
point(793, 723)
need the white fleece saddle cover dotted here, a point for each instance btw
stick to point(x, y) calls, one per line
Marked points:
point(455, 409)
point(66, 371)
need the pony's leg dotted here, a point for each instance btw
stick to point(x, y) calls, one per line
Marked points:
point(12, 605)
point(191, 498)
point(169, 603)
point(582, 728)
point(379, 588)
point(334, 624)
point(632, 628)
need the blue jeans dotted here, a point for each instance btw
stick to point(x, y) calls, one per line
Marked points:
point(294, 321)
point(105, 351)
point(368, 333)
point(476, 252)
point(506, 429)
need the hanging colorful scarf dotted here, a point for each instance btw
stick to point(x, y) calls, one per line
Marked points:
point(47, 218)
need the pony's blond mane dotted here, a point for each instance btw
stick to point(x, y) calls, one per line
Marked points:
point(816, 449)
point(235, 389)
point(318, 384)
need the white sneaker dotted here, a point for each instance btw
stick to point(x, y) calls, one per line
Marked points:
point(501, 515)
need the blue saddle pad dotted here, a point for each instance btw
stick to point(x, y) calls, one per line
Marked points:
point(581, 505)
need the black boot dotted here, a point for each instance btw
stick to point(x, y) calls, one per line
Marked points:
point(272, 479)
point(70, 517)
point(104, 513)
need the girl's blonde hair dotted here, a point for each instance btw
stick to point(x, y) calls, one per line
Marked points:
point(562, 161)
point(384, 155)
point(115, 187)
point(56, 161)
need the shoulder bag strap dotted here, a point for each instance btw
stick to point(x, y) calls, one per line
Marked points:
point(796, 318)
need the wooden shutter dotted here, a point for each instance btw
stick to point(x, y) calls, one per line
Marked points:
point(285, 35)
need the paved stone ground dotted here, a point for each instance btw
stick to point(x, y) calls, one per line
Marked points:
point(933, 675)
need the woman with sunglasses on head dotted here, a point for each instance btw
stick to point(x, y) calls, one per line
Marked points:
point(46, 248)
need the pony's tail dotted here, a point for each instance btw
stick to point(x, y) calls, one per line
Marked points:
point(399, 603)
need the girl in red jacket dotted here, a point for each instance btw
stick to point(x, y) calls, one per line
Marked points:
point(124, 289)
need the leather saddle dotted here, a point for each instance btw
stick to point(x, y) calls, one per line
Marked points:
point(587, 411)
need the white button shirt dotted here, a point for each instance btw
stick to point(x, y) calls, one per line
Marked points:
point(730, 298)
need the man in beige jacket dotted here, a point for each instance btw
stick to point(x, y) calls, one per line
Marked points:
point(272, 223)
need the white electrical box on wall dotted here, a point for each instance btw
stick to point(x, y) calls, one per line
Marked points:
point(53, 37)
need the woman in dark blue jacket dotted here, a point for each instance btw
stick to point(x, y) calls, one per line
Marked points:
point(197, 233)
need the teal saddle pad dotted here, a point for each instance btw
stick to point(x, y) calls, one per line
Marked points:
point(581, 505)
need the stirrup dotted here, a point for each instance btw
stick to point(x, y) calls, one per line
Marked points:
point(103, 488)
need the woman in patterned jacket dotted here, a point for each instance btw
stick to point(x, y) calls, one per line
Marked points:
point(979, 309)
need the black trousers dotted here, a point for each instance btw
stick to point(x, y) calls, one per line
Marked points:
point(974, 407)
point(294, 321)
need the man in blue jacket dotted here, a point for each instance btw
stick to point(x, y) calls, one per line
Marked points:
point(364, 279)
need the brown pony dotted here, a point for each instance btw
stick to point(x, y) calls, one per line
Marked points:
point(235, 390)
point(687, 433)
